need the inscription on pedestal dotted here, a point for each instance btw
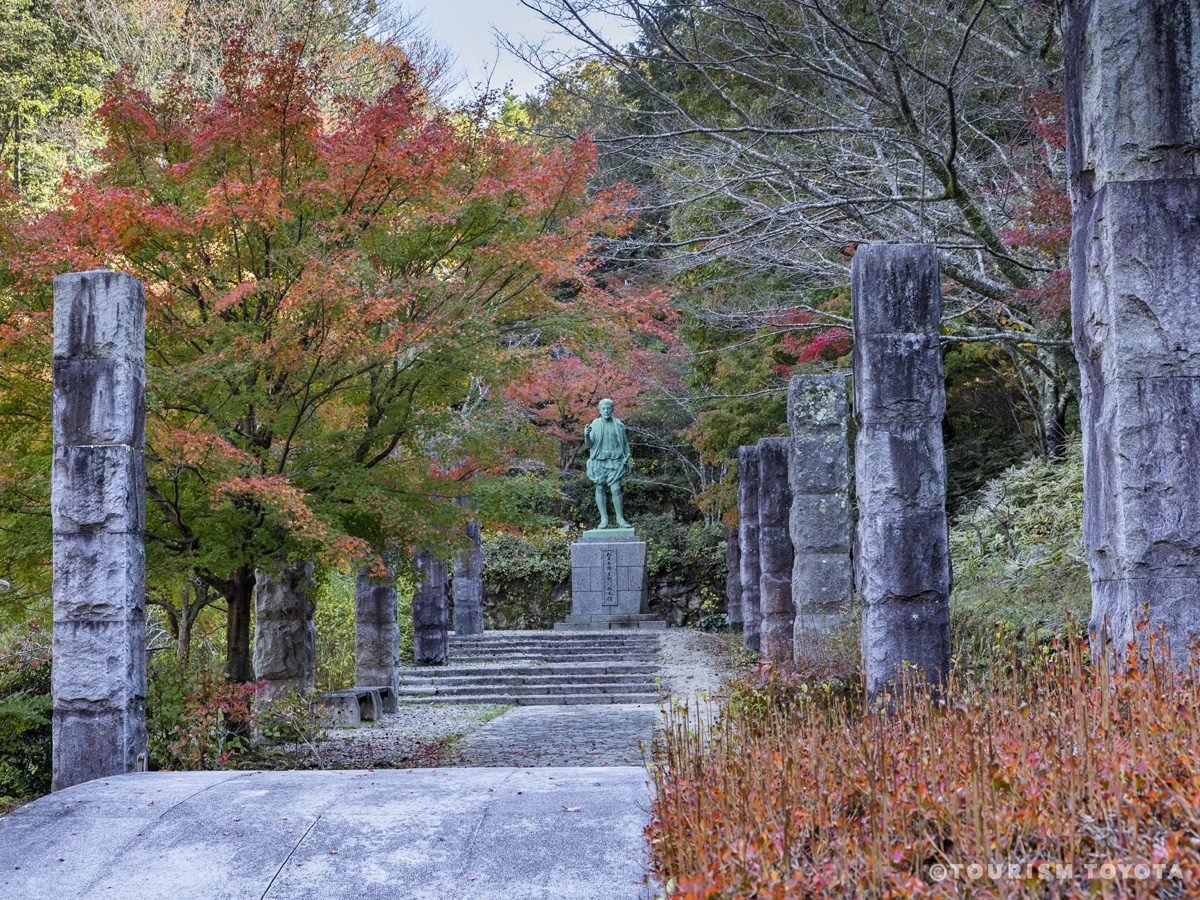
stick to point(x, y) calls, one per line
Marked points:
point(609, 584)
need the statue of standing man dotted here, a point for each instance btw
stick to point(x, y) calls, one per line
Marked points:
point(608, 461)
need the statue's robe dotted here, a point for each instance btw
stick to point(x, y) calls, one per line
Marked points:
point(609, 459)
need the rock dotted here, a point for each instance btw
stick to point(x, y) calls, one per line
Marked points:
point(97, 504)
point(748, 542)
point(1133, 117)
point(820, 521)
point(902, 560)
point(285, 637)
point(775, 553)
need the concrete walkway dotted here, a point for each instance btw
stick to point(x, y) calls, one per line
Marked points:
point(425, 834)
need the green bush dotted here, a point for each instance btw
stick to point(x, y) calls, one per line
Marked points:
point(524, 578)
point(1019, 565)
point(25, 728)
point(169, 685)
point(691, 555)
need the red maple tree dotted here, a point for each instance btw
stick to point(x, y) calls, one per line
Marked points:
point(332, 285)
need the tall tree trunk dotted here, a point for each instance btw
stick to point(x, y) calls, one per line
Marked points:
point(183, 638)
point(239, 601)
point(17, 153)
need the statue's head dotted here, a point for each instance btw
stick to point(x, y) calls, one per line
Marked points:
point(606, 409)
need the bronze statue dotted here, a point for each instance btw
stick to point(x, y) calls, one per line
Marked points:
point(608, 461)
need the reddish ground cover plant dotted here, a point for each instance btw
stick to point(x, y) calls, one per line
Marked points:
point(1061, 778)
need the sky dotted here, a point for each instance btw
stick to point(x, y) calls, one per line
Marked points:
point(465, 27)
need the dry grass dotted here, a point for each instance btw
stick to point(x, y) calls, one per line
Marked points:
point(796, 787)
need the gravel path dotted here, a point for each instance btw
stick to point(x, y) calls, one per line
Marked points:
point(693, 662)
point(411, 737)
point(608, 735)
point(691, 665)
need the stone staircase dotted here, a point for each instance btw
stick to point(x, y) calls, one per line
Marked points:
point(531, 668)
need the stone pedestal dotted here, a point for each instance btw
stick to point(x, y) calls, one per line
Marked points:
point(1133, 125)
point(98, 510)
point(902, 565)
point(431, 612)
point(821, 525)
point(376, 635)
point(285, 636)
point(608, 582)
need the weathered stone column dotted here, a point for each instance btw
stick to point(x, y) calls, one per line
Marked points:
point(821, 524)
point(98, 508)
point(468, 585)
point(733, 577)
point(431, 612)
point(775, 554)
point(1133, 125)
point(902, 566)
point(748, 542)
point(376, 634)
point(285, 637)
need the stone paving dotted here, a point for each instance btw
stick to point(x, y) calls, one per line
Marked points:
point(610, 735)
point(427, 834)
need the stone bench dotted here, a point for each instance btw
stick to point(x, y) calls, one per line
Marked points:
point(351, 707)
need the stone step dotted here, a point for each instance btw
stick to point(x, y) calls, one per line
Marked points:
point(523, 690)
point(549, 659)
point(453, 679)
point(566, 645)
point(528, 669)
point(561, 637)
point(536, 699)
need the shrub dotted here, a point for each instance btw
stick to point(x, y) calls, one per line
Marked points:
point(25, 725)
point(689, 556)
point(1018, 557)
point(1062, 762)
point(217, 721)
point(525, 577)
point(288, 718)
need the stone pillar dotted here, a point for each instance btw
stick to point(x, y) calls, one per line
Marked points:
point(1133, 125)
point(98, 510)
point(376, 634)
point(821, 523)
point(748, 542)
point(431, 612)
point(285, 638)
point(733, 577)
point(902, 567)
point(468, 585)
point(775, 554)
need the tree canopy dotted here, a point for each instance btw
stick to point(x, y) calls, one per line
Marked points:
point(334, 293)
